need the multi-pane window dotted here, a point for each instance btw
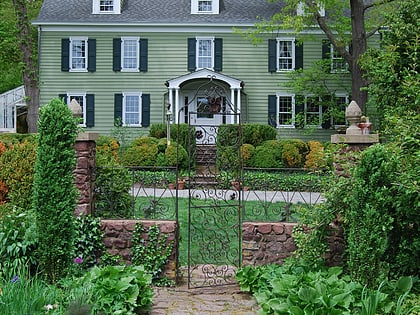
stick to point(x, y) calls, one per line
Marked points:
point(285, 109)
point(106, 5)
point(286, 54)
point(130, 54)
point(205, 52)
point(132, 109)
point(205, 6)
point(338, 64)
point(78, 54)
point(313, 111)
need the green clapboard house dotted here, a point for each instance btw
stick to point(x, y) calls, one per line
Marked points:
point(132, 59)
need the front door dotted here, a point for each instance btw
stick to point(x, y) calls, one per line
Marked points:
point(206, 111)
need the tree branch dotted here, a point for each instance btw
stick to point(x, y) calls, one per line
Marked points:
point(328, 32)
point(375, 3)
point(372, 32)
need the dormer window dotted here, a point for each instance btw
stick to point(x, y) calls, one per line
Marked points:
point(204, 6)
point(107, 6)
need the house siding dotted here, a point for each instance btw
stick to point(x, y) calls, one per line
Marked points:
point(167, 59)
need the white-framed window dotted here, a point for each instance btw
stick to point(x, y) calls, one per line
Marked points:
point(205, 6)
point(80, 97)
point(285, 54)
point(313, 111)
point(78, 53)
point(106, 7)
point(130, 54)
point(131, 115)
point(205, 52)
point(285, 110)
point(301, 7)
point(338, 64)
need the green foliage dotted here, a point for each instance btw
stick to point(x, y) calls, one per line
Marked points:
point(18, 242)
point(247, 151)
point(112, 197)
point(266, 156)
point(175, 154)
point(369, 219)
point(54, 196)
point(256, 134)
point(88, 240)
point(115, 290)
point(22, 295)
point(286, 181)
point(152, 252)
point(17, 172)
point(293, 288)
point(142, 152)
point(158, 130)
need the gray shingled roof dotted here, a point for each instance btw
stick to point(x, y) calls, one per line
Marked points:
point(156, 12)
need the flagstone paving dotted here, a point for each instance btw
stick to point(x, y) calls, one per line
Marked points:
point(224, 300)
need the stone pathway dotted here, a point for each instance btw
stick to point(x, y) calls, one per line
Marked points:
point(225, 300)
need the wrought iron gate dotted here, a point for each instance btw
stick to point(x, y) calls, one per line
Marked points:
point(214, 203)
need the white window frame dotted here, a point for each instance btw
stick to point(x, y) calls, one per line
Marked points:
point(300, 10)
point(135, 68)
point(292, 113)
point(336, 58)
point(215, 8)
point(96, 7)
point(125, 111)
point(292, 40)
point(347, 98)
point(84, 56)
point(197, 50)
point(312, 113)
point(70, 96)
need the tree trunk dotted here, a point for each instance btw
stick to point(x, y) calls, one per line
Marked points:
point(359, 47)
point(30, 70)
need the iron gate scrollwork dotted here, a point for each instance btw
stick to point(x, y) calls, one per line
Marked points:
point(214, 205)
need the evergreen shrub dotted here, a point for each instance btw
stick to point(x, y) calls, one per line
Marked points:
point(17, 173)
point(247, 151)
point(54, 194)
point(256, 134)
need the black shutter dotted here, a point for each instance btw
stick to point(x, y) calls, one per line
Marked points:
point(65, 54)
point(326, 54)
point(326, 49)
point(191, 54)
point(145, 110)
point(90, 110)
point(299, 111)
point(91, 55)
point(272, 55)
point(118, 104)
point(218, 54)
point(272, 110)
point(298, 55)
point(63, 97)
point(143, 54)
point(116, 54)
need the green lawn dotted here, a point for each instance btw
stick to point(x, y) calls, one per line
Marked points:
point(214, 224)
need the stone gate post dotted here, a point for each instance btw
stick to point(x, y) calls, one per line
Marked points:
point(85, 148)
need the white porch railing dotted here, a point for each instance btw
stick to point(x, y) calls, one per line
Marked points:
point(9, 101)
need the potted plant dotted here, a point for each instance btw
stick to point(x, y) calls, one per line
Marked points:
point(364, 125)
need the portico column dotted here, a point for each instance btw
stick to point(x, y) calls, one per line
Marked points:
point(176, 104)
point(238, 103)
point(170, 97)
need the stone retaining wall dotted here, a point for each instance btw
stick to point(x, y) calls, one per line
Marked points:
point(118, 235)
point(268, 243)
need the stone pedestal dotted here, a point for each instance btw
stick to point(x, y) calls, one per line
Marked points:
point(85, 148)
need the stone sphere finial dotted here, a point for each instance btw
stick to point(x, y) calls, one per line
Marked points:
point(353, 115)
